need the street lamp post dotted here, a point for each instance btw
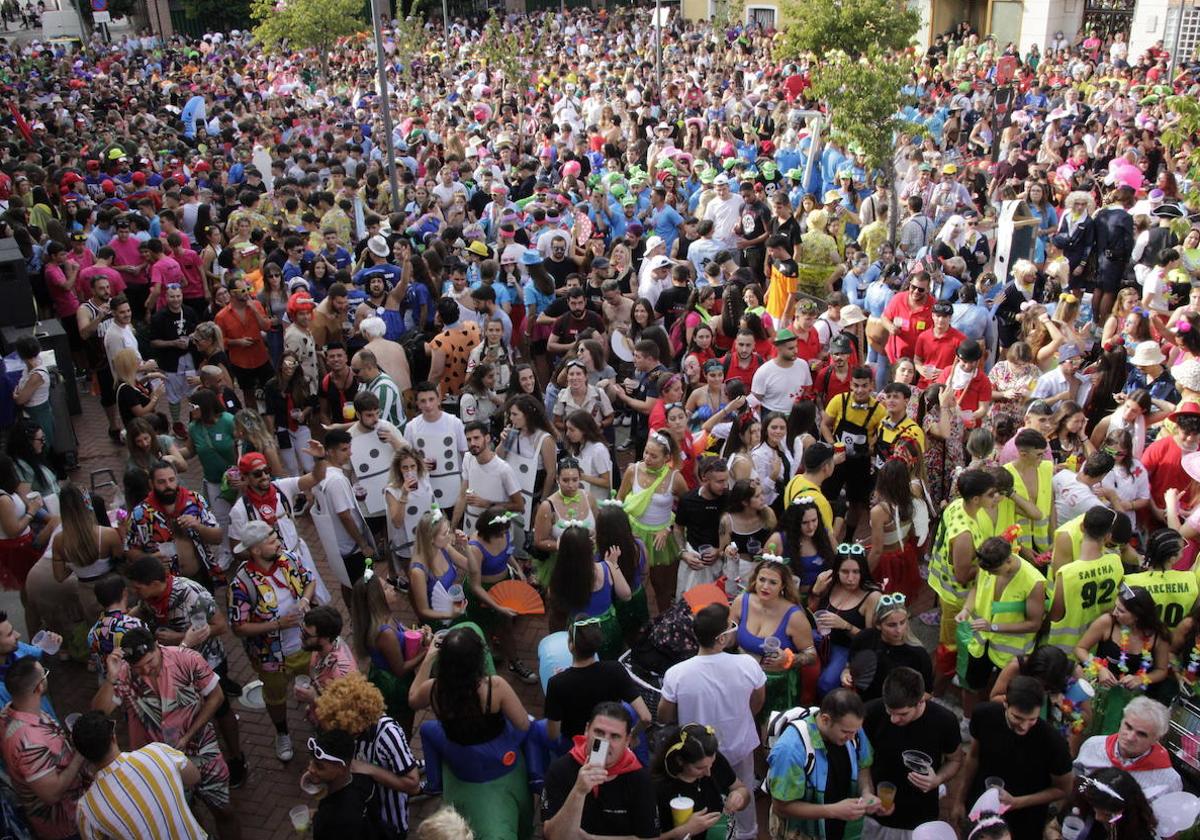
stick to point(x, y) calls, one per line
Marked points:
point(446, 29)
point(658, 46)
point(385, 98)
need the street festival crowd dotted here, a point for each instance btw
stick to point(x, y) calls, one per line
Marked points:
point(735, 421)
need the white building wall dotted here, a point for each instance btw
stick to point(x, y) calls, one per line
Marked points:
point(1149, 25)
point(1041, 19)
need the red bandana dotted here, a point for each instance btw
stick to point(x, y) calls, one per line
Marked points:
point(265, 504)
point(1157, 759)
point(627, 763)
point(183, 498)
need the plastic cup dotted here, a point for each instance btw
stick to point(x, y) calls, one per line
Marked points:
point(348, 412)
point(917, 761)
point(49, 644)
point(993, 782)
point(681, 810)
point(360, 492)
point(304, 682)
point(887, 794)
point(412, 643)
point(753, 548)
point(457, 595)
point(1072, 827)
point(770, 647)
point(199, 621)
point(310, 787)
point(1080, 691)
point(300, 817)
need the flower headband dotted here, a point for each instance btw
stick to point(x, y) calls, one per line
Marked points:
point(1011, 533)
point(1067, 297)
point(368, 572)
point(772, 558)
point(507, 516)
point(574, 523)
point(611, 503)
point(802, 500)
point(1183, 326)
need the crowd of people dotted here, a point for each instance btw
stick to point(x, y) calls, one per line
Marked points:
point(661, 356)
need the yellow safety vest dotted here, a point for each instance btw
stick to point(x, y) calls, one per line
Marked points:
point(1174, 593)
point(1035, 536)
point(1073, 529)
point(1006, 516)
point(1008, 609)
point(1089, 591)
point(941, 565)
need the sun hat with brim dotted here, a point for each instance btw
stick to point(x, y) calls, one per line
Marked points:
point(1191, 465)
point(851, 315)
point(1068, 352)
point(784, 336)
point(1187, 375)
point(832, 197)
point(378, 246)
point(478, 249)
point(1187, 409)
point(1147, 353)
point(531, 257)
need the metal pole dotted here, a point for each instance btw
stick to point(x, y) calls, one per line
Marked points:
point(658, 46)
point(446, 30)
point(385, 97)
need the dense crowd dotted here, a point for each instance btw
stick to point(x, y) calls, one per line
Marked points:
point(673, 366)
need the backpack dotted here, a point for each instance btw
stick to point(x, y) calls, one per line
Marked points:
point(413, 343)
point(668, 640)
point(797, 718)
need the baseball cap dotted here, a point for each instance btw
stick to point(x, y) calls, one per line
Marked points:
point(251, 461)
point(254, 533)
point(943, 307)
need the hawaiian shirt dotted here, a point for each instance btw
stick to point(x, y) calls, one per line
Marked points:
point(337, 663)
point(183, 598)
point(253, 598)
point(34, 745)
point(163, 707)
point(150, 531)
point(792, 777)
point(106, 634)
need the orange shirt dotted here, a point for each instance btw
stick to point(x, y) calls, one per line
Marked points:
point(457, 344)
point(244, 326)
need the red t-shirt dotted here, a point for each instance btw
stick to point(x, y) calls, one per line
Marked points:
point(1163, 460)
point(935, 351)
point(978, 390)
point(733, 369)
point(827, 385)
point(809, 347)
point(910, 323)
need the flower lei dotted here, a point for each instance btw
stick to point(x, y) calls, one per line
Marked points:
point(1191, 672)
point(1146, 657)
point(1072, 715)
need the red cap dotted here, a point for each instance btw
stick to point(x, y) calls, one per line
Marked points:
point(93, 165)
point(108, 186)
point(139, 177)
point(202, 166)
point(300, 302)
point(251, 461)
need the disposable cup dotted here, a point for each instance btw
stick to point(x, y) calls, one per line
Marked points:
point(681, 810)
point(300, 817)
point(993, 782)
point(412, 643)
point(49, 644)
point(887, 794)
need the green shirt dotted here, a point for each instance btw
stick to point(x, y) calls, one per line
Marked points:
point(215, 446)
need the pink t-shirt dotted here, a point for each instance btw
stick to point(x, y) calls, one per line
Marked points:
point(129, 253)
point(83, 283)
point(193, 276)
point(61, 292)
point(163, 273)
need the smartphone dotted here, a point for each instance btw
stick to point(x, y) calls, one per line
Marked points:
point(599, 754)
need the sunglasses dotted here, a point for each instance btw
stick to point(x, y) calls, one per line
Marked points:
point(894, 600)
point(584, 623)
point(135, 653)
point(394, 582)
point(851, 548)
point(320, 754)
point(921, 289)
point(258, 473)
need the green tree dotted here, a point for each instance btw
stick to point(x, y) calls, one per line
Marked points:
point(306, 24)
point(851, 26)
point(1182, 134)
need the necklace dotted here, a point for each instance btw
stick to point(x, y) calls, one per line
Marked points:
point(1192, 671)
point(1145, 659)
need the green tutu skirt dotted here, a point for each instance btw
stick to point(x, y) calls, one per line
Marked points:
point(783, 689)
point(633, 614)
point(395, 693)
point(489, 665)
point(664, 556)
point(501, 809)
point(543, 569)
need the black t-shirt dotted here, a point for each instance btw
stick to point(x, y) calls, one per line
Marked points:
point(934, 733)
point(622, 807)
point(1025, 762)
point(707, 793)
point(167, 326)
point(559, 270)
point(559, 306)
point(837, 785)
point(889, 657)
point(567, 328)
point(671, 304)
point(343, 813)
point(127, 398)
point(700, 518)
point(572, 694)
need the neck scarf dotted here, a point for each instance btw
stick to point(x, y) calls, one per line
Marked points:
point(183, 498)
point(638, 500)
point(265, 504)
point(627, 763)
point(1156, 759)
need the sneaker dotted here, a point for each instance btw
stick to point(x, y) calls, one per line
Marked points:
point(522, 671)
point(237, 771)
point(180, 431)
point(283, 747)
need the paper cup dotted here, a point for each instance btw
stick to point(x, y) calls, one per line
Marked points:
point(412, 643)
point(300, 817)
point(681, 810)
point(1080, 691)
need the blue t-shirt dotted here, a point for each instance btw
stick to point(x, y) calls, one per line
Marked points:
point(391, 274)
point(535, 298)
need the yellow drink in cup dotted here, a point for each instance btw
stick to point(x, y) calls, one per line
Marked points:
point(887, 794)
point(348, 412)
point(681, 810)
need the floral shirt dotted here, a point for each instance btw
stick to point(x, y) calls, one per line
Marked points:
point(106, 634)
point(337, 663)
point(254, 597)
point(150, 530)
point(183, 598)
point(34, 745)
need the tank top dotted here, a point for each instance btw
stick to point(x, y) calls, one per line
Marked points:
point(19, 504)
point(762, 534)
point(1110, 651)
point(377, 657)
point(446, 579)
point(662, 503)
point(601, 599)
point(494, 564)
point(560, 523)
point(470, 730)
point(851, 615)
point(99, 567)
point(752, 644)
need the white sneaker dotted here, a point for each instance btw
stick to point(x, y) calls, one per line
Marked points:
point(283, 747)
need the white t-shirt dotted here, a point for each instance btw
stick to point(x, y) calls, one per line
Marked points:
point(1130, 486)
point(117, 339)
point(443, 441)
point(777, 386)
point(716, 689)
point(726, 216)
point(340, 494)
point(494, 481)
point(1072, 497)
point(238, 518)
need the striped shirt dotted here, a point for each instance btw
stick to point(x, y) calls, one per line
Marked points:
point(391, 403)
point(385, 745)
point(140, 794)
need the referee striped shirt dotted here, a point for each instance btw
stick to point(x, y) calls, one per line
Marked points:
point(140, 794)
point(385, 745)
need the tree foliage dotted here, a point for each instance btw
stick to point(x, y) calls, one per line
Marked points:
point(306, 24)
point(851, 26)
point(864, 98)
point(1182, 134)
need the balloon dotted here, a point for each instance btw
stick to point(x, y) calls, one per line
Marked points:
point(553, 656)
point(934, 831)
point(1176, 812)
point(192, 111)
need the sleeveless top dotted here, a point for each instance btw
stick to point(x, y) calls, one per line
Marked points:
point(752, 644)
point(601, 599)
point(19, 503)
point(898, 530)
point(851, 615)
point(98, 568)
point(762, 534)
point(494, 564)
point(446, 579)
point(377, 657)
point(559, 524)
point(471, 730)
point(662, 503)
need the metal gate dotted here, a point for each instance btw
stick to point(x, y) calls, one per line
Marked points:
point(1108, 17)
point(1183, 42)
